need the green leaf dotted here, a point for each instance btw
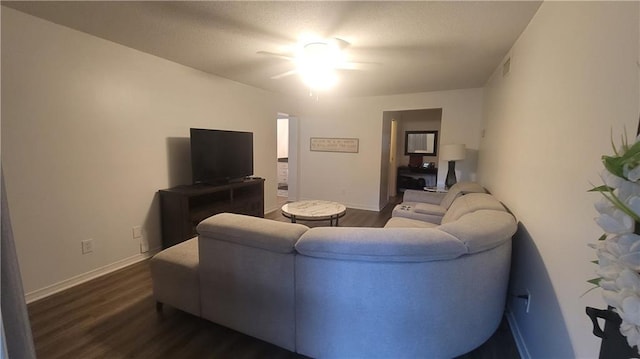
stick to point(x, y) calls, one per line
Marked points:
point(603, 188)
point(603, 237)
point(633, 149)
point(624, 141)
point(613, 165)
point(595, 262)
point(590, 289)
point(595, 281)
point(631, 158)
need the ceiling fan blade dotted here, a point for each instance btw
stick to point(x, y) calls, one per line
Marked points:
point(284, 74)
point(341, 43)
point(274, 54)
point(359, 65)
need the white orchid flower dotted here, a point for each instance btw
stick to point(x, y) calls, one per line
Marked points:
point(611, 224)
point(628, 242)
point(626, 190)
point(629, 279)
point(631, 309)
point(632, 174)
point(631, 260)
point(619, 251)
point(610, 272)
point(614, 248)
point(603, 205)
point(606, 258)
point(615, 222)
point(612, 298)
point(609, 285)
point(610, 179)
point(631, 332)
point(633, 202)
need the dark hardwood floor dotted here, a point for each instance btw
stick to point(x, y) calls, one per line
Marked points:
point(114, 316)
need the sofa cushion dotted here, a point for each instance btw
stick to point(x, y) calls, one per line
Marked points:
point(407, 210)
point(175, 275)
point(380, 245)
point(427, 208)
point(413, 195)
point(402, 222)
point(459, 189)
point(470, 203)
point(483, 229)
point(252, 231)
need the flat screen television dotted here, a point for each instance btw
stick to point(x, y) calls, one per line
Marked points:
point(219, 156)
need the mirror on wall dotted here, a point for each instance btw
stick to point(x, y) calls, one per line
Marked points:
point(420, 143)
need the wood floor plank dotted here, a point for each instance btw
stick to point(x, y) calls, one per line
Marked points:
point(114, 316)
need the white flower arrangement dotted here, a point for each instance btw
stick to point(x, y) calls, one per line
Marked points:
point(618, 250)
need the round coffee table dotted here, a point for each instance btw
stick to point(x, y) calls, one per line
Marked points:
point(314, 210)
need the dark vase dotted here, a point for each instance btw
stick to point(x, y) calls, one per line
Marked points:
point(614, 344)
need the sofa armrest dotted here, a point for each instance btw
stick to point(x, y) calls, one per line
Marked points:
point(251, 231)
point(380, 244)
point(411, 195)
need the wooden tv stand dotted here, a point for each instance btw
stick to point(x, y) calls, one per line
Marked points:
point(183, 207)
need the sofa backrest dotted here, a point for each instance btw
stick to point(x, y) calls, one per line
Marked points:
point(459, 189)
point(473, 232)
point(380, 244)
point(470, 203)
point(250, 231)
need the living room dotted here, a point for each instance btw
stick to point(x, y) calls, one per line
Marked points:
point(92, 129)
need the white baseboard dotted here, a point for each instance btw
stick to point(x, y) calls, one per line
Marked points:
point(85, 277)
point(517, 336)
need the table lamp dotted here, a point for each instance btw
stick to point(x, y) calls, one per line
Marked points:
point(452, 153)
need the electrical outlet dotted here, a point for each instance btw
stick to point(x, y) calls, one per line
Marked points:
point(527, 300)
point(137, 232)
point(144, 245)
point(87, 246)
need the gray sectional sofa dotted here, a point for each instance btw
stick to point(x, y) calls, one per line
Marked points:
point(411, 289)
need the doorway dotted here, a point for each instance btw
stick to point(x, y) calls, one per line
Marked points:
point(395, 124)
point(283, 160)
point(287, 158)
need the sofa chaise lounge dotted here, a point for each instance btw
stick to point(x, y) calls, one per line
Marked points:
point(432, 206)
point(412, 289)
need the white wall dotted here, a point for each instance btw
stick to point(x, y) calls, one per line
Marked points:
point(354, 178)
point(573, 80)
point(91, 130)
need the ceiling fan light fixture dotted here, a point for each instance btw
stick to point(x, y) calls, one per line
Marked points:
point(320, 54)
point(319, 79)
point(317, 61)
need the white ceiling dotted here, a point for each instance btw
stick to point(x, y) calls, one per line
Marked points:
point(421, 46)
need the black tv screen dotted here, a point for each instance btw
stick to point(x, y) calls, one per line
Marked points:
point(219, 156)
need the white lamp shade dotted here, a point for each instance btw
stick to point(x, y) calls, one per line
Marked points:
point(452, 152)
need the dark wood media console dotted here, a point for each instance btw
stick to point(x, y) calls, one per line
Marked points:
point(416, 178)
point(183, 207)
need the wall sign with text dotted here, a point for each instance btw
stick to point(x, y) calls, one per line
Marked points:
point(324, 144)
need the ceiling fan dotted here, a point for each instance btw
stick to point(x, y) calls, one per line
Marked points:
point(317, 60)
